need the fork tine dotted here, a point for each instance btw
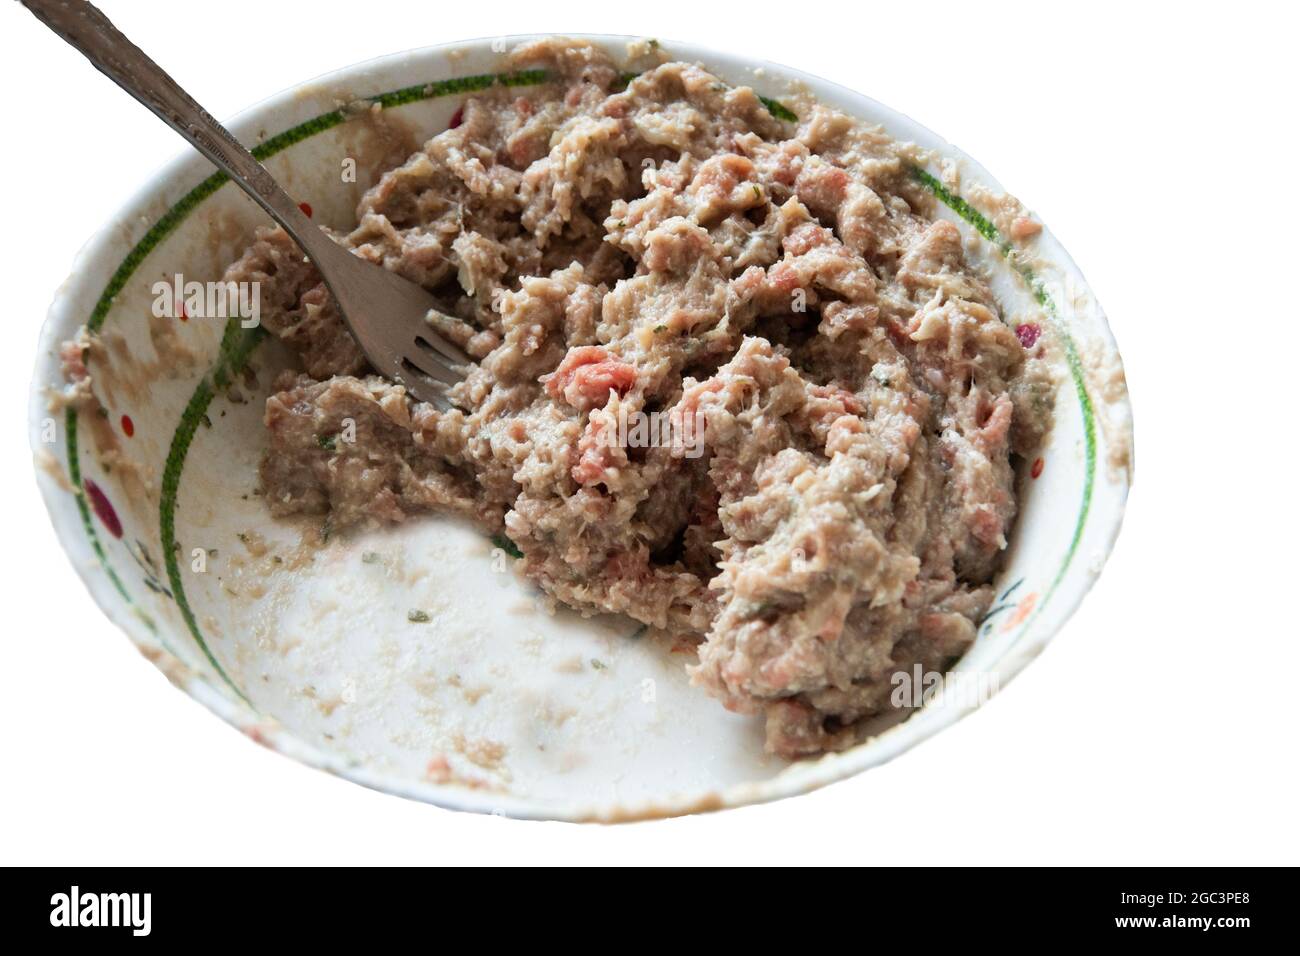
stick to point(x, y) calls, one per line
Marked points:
point(421, 387)
point(430, 366)
point(443, 349)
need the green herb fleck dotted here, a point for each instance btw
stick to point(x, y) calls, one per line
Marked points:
point(416, 616)
point(506, 545)
point(325, 441)
point(598, 664)
point(370, 557)
point(779, 110)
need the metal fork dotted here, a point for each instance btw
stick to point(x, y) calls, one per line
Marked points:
point(387, 315)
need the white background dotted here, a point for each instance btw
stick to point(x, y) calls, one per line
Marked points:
point(1160, 727)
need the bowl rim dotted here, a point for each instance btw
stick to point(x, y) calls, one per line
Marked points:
point(801, 777)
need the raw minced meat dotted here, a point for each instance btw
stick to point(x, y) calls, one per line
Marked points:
point(673, 248)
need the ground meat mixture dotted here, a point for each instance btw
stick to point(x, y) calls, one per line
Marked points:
point(612, 248)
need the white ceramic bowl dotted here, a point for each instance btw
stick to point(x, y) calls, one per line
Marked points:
point(493, 706)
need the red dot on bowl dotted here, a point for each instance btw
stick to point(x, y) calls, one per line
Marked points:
point(180, 311)
point(1036, 469)
point(1028, 334)
point(128, 426)
point(306, 209)
point(457, 117)
point(103, 508)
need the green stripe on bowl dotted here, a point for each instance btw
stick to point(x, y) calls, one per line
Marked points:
point(237, 344)
point(1007, 249)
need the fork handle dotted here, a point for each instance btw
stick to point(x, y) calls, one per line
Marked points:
point(84, 27)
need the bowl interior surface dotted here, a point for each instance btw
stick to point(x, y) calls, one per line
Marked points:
point(493, 704)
